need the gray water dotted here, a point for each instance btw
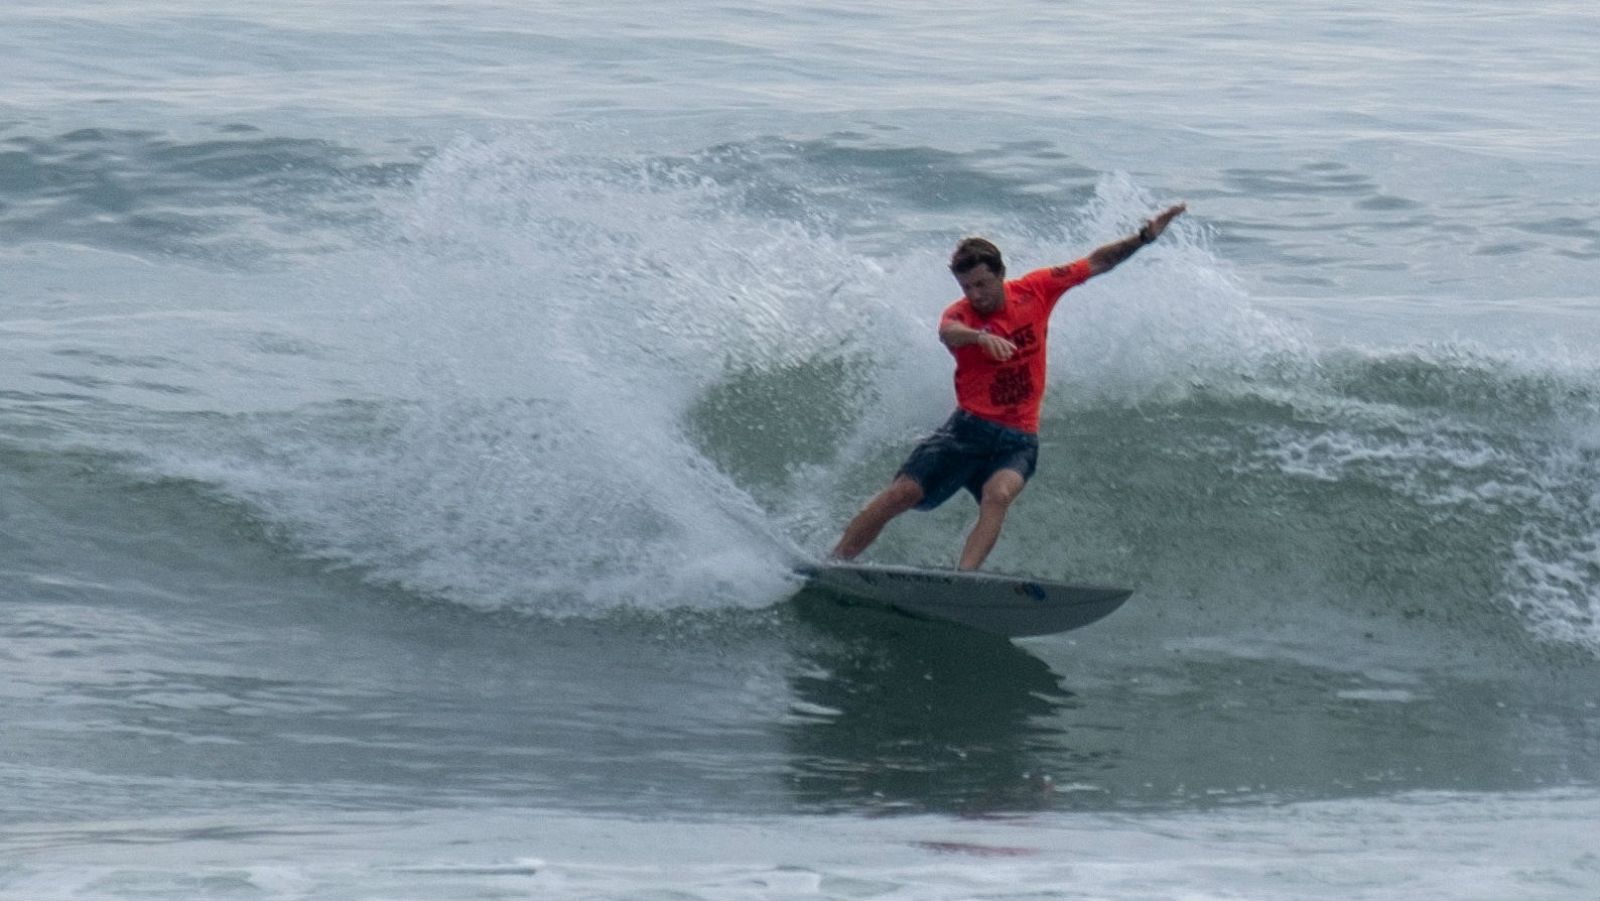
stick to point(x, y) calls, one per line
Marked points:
point(410, 414)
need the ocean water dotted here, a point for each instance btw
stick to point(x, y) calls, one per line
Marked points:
point(410, 414)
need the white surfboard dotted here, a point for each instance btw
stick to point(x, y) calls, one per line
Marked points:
point(1012, 606)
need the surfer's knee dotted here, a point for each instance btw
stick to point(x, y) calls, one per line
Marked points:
point(903, 494)
point(1002, 488)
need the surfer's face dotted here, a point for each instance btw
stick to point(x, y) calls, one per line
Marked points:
point(984, 288)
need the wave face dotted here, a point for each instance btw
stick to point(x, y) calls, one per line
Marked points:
point(544, 378)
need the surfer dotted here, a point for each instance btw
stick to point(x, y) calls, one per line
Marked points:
point(990, 445)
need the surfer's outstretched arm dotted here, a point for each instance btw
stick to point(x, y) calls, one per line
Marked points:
point(1105, 258)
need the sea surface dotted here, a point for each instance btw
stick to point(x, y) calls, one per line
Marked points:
point(410, 414)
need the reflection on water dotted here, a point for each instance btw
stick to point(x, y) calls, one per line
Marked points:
point(894, 714)
point(891, 714)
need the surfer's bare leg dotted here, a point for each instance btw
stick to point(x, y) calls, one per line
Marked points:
point(903, 494)
point(998, 493)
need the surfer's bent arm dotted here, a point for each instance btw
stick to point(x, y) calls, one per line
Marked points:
point(958, 334)
point(1106, 257)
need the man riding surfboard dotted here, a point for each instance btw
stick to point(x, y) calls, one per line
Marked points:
point(997, 333)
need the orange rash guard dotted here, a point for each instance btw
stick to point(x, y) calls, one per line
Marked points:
point(1010, 393)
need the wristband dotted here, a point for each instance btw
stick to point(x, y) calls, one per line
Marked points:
point(1144, 234)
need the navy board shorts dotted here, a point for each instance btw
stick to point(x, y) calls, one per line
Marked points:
point(964, 453)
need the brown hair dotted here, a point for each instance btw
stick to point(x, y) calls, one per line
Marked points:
point(972, 252)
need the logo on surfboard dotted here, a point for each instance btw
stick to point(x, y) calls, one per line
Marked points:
point(1028, 589)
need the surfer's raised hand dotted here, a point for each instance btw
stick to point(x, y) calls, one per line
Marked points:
point(1106, 258)
point(1158, 224)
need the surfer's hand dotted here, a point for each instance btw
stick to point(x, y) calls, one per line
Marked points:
point(996, 347)
point(1153, 228)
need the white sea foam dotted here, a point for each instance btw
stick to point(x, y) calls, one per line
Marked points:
point(1409, 846)
point(556, 316)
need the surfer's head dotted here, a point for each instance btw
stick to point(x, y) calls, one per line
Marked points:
point(974, 252)
point(981, 272)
